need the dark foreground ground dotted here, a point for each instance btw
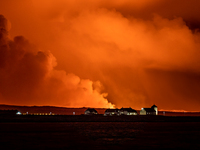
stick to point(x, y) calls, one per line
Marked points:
point(97, 118)
point(99, 135)
point(99, 132)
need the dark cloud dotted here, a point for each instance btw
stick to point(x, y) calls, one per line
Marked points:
point(174, 89)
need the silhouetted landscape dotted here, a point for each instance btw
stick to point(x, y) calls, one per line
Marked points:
point(66, 131)
point(78, 111)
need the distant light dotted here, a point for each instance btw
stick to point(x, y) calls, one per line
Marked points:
point(74, 113)
point(18, 113)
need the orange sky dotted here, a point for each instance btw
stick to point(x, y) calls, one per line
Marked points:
point(125, 53)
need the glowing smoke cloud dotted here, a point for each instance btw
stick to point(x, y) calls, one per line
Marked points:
point(28, 77)
point(142, 52)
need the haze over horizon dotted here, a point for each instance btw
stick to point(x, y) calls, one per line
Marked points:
point(101, 54)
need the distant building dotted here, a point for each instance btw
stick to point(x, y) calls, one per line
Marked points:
point(155, 108)
point(127, 111)
point(149, 111)
point(91, 111)
point(111, 112)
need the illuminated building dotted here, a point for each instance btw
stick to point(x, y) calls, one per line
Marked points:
point(155, 108)
point(18, 113)
point(149, 111)
point(127, 111)
point(111, 112)
point(91, 111)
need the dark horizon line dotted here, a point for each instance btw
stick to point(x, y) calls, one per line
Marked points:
point(31, 106)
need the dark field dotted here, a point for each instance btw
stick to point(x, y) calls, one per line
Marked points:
point(99, 135)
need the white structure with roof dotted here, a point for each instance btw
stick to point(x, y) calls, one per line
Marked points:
point(149, 111)
point(111, 112)
point(127, 111)
point(91, 111)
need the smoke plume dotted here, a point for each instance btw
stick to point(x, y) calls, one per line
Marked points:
point(128, 53)
point(28, 77)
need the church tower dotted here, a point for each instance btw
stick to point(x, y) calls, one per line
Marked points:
point(155, 108)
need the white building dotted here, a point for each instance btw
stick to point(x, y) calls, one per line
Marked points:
point(111, 112)
point(149, 111)
point(91, 111)
point(127, 111)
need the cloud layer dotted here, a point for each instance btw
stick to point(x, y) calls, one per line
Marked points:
point(139, 52)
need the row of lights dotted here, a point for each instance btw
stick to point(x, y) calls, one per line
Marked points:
point(19, 113)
